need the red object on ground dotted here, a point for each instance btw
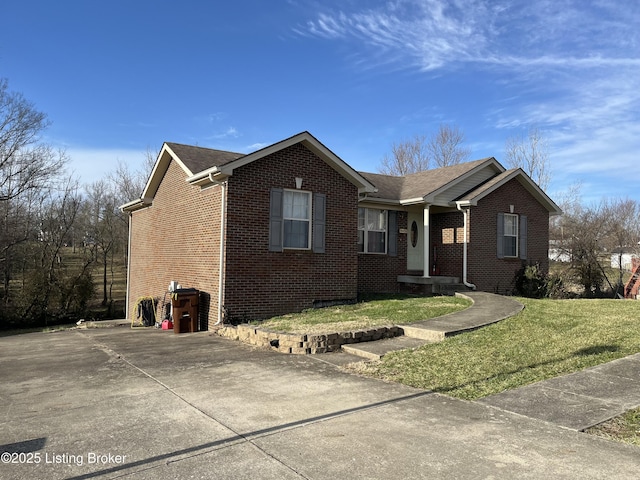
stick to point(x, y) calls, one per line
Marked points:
point(167, 325)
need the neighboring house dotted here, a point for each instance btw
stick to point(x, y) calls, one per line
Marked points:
point(292, 226)
point(622, 258)
point(558, 253)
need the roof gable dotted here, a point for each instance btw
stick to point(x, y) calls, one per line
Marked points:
point(191, 159)
point(475, 195)
point(224, 170)
point(197, 159)
point(436, 186)
point(206, 166)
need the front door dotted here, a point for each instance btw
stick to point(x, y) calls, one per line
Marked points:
point(415, 243)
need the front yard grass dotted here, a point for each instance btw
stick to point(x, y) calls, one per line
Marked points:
point(547, 339)
point(625, 428)
point(374, 312)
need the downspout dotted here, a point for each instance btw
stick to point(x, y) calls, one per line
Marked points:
point(223, 211)
point(465, 213)
point(127, 301)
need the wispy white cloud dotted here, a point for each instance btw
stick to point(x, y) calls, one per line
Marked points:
point(575, 65)
point(433, 34)
point(229, 132)
point(255, 146)
point(216, 116)
point(421, 32)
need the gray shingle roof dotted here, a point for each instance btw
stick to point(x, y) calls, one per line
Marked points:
point(389, 187)
point(418, 184)
point(198, 159)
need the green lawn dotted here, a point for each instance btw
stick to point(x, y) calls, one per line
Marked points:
point(548, 338)
point(387, 310)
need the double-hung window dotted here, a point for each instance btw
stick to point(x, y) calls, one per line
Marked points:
point(296, 216)
point(297, 220)
point(510, 238)
point(372, 230)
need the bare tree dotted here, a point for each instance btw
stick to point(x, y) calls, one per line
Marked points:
point(531, 153)
point(586, 228)
point(570, 202)
point(588, 235)
point(128, 184)
point(106, 230)
point(28, 171)
point(623, 230)
point(54, 284)
point(24, 164)
point(442, 148)
point(407, 156)
point(445, 147)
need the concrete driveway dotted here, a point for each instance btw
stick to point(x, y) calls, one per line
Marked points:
point(111, 403)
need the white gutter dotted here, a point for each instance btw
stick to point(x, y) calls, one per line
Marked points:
point(135, 205)
point(412, 201)
point(465, 213)
point(223, 208)
point(202, 177)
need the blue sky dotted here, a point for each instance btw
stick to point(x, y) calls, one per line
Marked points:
point(118, 78)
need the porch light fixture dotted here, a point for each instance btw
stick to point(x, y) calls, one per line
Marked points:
point(298, 183)
point(511, 208)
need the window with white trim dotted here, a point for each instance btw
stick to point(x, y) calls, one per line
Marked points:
point(510, 236)
point(372, 230)
point(296, 216)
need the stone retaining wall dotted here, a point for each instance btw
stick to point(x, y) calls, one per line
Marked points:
point(305, 344)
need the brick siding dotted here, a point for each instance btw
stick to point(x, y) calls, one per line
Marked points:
point(260, 283)
point(177, 238)
point(488, 272)
point(447, 237)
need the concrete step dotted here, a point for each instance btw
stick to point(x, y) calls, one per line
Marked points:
point(448, 289)
point(379, 348)
point(421, 332)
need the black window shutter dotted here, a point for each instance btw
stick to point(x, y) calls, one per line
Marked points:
point(276, 224)
point(500, 237)
point(523, 237)
point(319, 222)
point(392, 228)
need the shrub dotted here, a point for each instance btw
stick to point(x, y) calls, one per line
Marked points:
point(532, 282)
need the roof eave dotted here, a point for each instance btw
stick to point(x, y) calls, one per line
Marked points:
point(381, 201)
point(159, 169)
point(525, 181)
point(134, 205)
point(313, 144)
point(491, 161)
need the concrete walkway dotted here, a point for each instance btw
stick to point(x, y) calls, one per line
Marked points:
point(579, 400)
point(487, 308)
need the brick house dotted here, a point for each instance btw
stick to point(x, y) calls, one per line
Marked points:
point(292, 226)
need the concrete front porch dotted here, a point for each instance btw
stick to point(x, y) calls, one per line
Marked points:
point(435, 285)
